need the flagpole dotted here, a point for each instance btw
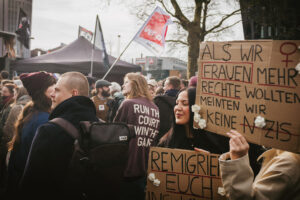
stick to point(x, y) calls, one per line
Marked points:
point(92, 57)
point(131, 41)
point(118, 58)
point(92, 62)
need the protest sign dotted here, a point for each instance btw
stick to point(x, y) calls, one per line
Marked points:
point(183, 175)
point(240, 80)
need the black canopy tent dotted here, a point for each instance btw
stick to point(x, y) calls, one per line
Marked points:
point(75, 57)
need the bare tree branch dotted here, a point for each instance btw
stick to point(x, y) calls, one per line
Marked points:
point(198, 10)
point(226, 27)
point(178, 41)
point(222, 20)
point(166, 9)
point(179, 15)
point(206, 3)
point(177, 22)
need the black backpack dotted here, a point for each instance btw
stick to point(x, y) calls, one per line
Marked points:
point(99, 159)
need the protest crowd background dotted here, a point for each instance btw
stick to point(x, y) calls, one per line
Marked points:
point(33, 162)
point(229, 131)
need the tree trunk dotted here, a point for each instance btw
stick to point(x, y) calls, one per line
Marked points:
point(193, 53)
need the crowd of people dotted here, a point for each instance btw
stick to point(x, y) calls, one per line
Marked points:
point(35, 153)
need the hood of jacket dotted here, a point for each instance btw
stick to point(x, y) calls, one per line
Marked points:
point(171, 101)
point(75, 109)
point(171, 92)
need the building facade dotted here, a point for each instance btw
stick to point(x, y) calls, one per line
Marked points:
point(10, 46)
point(271, 19)
point(162, 67)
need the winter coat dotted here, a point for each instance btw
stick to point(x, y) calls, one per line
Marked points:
point(8, 132)
point(165, 105)
point(114, 105)
point(19, 154)
point(3, 171)
point(279, 177)
point(9, 127)
point(52, 149)
point(4, 114)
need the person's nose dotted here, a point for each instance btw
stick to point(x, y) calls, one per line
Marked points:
point(52, 94)
point(178, 107)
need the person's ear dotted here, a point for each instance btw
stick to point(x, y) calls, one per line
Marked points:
point(75, 92)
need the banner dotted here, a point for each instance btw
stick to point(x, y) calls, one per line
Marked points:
point(99, 42)
point(85, 33)
point(252, 87)
point(23, 30)
point(153, 32)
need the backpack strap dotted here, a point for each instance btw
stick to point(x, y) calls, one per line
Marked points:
point(67, 126)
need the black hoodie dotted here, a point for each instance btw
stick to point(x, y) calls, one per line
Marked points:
point(165, 105)
point(52, 149)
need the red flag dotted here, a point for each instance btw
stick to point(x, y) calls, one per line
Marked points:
point(153, 32)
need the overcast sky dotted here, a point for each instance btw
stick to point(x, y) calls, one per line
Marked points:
point(57, 21)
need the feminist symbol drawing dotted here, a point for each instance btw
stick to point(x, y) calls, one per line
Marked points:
point(288, 53)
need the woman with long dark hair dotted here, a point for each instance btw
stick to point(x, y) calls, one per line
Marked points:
point(36, 112)
point(184, 136)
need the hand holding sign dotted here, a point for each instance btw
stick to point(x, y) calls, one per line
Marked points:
point(238, 145)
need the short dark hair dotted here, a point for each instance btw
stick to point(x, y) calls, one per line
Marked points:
point(175, 82)
point(4, 74)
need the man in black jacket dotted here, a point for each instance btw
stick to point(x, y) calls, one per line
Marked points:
point(52, 148)
point(166, 104)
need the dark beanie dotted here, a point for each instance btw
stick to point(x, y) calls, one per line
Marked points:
point(37, 81)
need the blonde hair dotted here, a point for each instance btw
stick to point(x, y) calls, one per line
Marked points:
point(76, 80)
point(139, 86)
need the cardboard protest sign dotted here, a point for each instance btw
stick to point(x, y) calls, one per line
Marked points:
point(183, 175)
point(240, 80)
